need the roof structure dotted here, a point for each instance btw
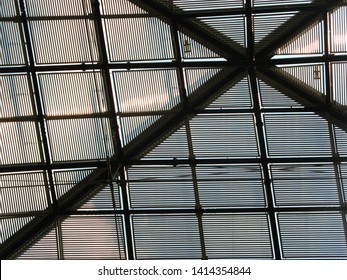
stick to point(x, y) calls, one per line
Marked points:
point(168, 129)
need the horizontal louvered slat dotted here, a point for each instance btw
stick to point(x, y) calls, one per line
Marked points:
point(338, 19)
point(230, 29)
point(311, 77)
point(161, 187)
point(79, 36)
point(188, 5)
point(307, 42)
point(133, 126)
point(260, 3)
point(103, 199)
point(120, 7)
point(197, 50)
point(7, 8)
point(19, 143)
point(304, 185)
point(297, 135)
point(236, 97)
point(266, 24)
point(166, 237)
point(197, 77)
point(22, 192)
point(175, 146)
point(65, 180)
point(230, 186)
point(124, 34)
point(312, 235)
point(272, 98)
point(339, 84)
point(58, 8)
point(343, 168)
point(84, 88)
point(9, 226)
point(44, 249)
point(224, 135)
point(15, 96)
point(80, 139)
point(341, 141)
point(146, 91)
point(237, 236)
point(11, 47)
point(93, 237)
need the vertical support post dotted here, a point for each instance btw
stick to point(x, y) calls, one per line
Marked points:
point(34, 85)
point(185, 103)
point(332, 134)
point(260, 131)
point(105, 68)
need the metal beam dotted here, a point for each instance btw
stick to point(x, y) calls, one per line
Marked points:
point(128, 162)
point(161, 128)
point(339, 115)
point(297, 24)
point(202, 211)
point(189, 25)
point(88, 186)
point(260, 132)
point(39, 224)
point(34, 87)
point(170, 65)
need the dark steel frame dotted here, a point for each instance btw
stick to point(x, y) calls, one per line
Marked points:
point(235, 65)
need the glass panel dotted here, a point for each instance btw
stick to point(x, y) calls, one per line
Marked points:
point(196, 5)
point(230, 186)
point(310, 77)
point(339, 84)
point(224, 135)
point(312, 235)
point(44, 249)
point(297, 135)
point(11, 46)
point(124, 34)
point(19, 143)
point(146, 91)
point(161, 187)
point(24, 192)
point(9, 226)
point(79, 44)
point(93, 237)
point(66, 180)
point(310, 41)
point(238, 96)
point(80, 139)
point(338, 33)
point(37, 8)
point(15, 97)
point(260, 3)
point(166, 237)
point(236, 236)
point(64, 93)
point(306, 184)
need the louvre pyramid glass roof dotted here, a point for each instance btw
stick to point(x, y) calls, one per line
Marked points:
point(173, 129)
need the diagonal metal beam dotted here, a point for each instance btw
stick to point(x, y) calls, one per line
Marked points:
point(186, 23)
point(338, 115)
point(296, 26)
point(39, 224)
point(156, 132)
point(88, 186)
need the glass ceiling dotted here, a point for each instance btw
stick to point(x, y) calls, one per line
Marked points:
point(165, 129)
